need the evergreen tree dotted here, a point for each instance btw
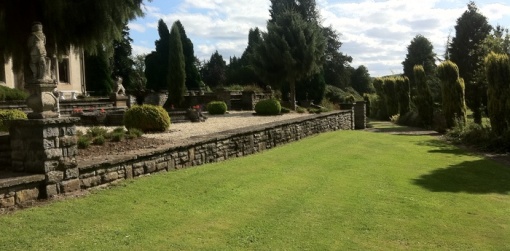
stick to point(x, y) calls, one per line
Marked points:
point(193, 78)
point(391, 95)
point(139, 82)
point(419, 52)
point(291, 50)
point(361, 80)
point(122, 61)
point(176, 73)
point(156, 63)
point(453, 91)
point(404, 95)
point(214, 71)
point(498, 77)
point(82, 24)
point(337, 70)
point(423, 100)
point(471, 30)
point(99, 72)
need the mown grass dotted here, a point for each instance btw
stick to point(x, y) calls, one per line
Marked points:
point(346, 190)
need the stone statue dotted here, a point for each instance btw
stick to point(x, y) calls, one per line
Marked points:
point(119, 88)
point(38, 61)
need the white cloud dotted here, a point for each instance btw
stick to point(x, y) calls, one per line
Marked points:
point(137, 50)
point(375, 33)
point(136, 27)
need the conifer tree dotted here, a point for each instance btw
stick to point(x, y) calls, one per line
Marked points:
point(176, 73)
point(471, 30)
point(291, 50)
point(498, 77)
point(193, 78)
point(402, 84)
point(156, 63)
point(452, 87)
point(423, 100)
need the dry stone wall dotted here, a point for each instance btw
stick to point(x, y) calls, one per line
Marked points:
point(199, 151)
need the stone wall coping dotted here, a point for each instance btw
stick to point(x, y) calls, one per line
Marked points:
point(42, 122)
point(195, 141)
point(10, 179)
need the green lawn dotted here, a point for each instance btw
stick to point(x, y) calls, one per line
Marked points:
point(346, 190)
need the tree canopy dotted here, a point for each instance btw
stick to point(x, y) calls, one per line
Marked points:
point(471, 30)
point(156, 63)
point(85, 24)
point(176, 72)
point(291, 49)
point(192, 75)
point(419, 52)
point(214, 71)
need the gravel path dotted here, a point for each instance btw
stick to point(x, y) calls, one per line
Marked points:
point(216, 123)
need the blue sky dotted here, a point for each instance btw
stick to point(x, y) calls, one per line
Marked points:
point(375, 33)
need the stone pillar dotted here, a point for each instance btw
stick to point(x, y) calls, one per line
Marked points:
point(119, 101)
point(248, 100)
point(224, 95)
point(360, 118)
point(47, 146)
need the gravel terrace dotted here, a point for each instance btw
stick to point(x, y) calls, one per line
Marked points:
point(181, 132)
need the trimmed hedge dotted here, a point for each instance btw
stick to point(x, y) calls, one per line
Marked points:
point(268, 107)
point(10, 115)
point(147, 118)
point(217, 107)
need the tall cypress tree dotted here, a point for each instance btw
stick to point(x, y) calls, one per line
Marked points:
point(423, 100)
point(193, 78)
point(453, 92)
point(156, 63)
point(176, 72)
point(498, 77)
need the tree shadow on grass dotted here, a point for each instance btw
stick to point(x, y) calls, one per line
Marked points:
point(442, 146)
point(474, 177)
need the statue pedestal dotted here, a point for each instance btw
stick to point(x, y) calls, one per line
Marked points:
point(49, 147)
point(119, 100)
point(42, 101)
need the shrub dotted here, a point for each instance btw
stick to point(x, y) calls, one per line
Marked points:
point(97, 131)
point(268, 107)
point(10, 115)
point(117, 136)
point(8, 94)
point(217, 107)
point(83, 142)
point(99, 140)
point(147, 118)
point(134, 133)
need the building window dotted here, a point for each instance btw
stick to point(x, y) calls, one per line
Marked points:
point(63, 70)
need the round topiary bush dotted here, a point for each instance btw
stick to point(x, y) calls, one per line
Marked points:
point(10, 115)
point(217, 107)
point(268, 107)
point(147, 118)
